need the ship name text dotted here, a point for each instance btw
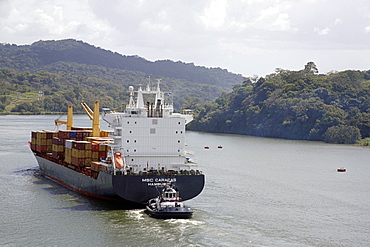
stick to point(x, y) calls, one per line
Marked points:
point(158, 181)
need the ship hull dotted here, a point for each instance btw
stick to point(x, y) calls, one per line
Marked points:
point(142, 188)
point(136, 189)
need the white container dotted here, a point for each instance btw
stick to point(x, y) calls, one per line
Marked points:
point(69, 144)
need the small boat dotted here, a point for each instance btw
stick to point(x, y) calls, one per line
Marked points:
point(342, 169)
point(219, 146)
point(206, 147)
point(168, 205)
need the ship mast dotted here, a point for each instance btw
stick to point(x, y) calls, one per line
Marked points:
point(140, 98)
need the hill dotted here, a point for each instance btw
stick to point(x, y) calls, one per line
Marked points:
point(67, 64)
point(301, 105)
point(43, 55)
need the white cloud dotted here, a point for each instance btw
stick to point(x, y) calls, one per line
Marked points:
point(338, 21)
point(214, 15)
point(282, 22)
point(156, 27)
point(244, 36)
point(323, 31)
point(41, 20)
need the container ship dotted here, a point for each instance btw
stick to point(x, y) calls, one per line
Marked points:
point(143, 152)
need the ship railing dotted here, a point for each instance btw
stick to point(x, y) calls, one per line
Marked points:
point(183, 172)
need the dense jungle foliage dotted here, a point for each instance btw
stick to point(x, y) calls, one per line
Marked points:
point(45, 92)
point(301, 105)
point(69, 71)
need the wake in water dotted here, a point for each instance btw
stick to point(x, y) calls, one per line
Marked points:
point(139, 214)
point(31, 171)
point(184, 222)
point(136, 214)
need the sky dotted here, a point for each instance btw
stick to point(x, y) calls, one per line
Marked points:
point(248, 37)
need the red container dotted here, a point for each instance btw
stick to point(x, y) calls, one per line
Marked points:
point(41, 148)
point(58, 155)
point(74, 161)
point(81, 145)
point(64, 134)
point(34, 134)
point(83, 133)
point(102, 154)
point(57, 141)
point(81, 161)
point(82, 128)
point(51, 134)
point(94, 147)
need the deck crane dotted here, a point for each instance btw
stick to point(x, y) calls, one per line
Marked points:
point(94, 117)
point(69, 121)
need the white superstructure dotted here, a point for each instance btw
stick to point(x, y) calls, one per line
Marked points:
point(148, 134)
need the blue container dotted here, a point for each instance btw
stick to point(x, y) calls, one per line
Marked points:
point(73, 134)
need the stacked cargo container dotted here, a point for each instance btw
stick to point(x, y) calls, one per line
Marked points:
point(99, 147)
point(33, 140)
point(97, 166)
point(68, 151)
point(76, 135)
point(42, 141)
point(75, 147)
point(81, 153)
point(58, 148)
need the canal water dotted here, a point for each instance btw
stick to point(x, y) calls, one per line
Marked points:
point(259, 192)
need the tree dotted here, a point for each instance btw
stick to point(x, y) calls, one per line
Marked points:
point(295, 105)
point(342, 134)
point(310, 67)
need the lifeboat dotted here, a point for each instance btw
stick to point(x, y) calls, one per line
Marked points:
point(206, 147)
point(342, 169)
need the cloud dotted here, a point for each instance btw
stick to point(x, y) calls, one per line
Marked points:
point(338, 21)
point(244, 36)
point(214, 15)
point(323, 31)
point(41, 20)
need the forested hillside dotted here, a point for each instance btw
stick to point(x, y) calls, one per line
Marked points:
point(43, 55)
point(294, 105)
point(70, 71)
point(47, 76)
point(19, 91)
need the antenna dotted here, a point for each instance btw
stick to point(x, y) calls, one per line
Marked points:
point(148, 87)
point(158, 82)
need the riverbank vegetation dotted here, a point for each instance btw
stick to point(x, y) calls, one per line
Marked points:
point(302, 105)
point(47, 76)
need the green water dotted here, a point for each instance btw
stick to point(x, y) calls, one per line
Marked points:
point(259, 192)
